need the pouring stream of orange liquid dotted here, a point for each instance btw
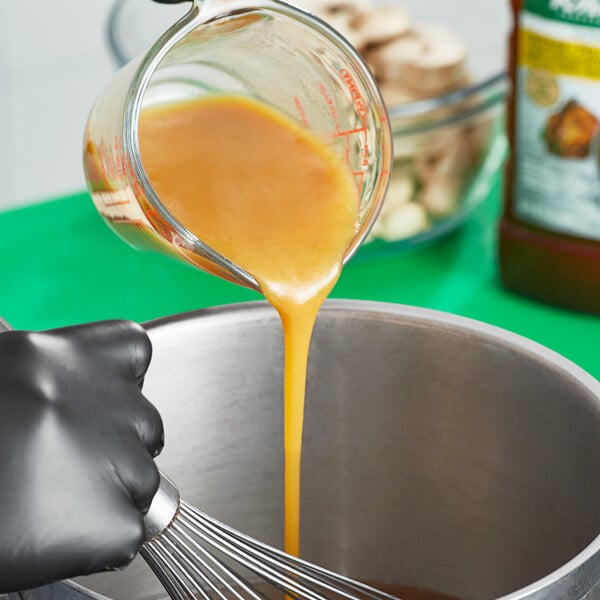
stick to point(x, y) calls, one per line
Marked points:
point(274, 199)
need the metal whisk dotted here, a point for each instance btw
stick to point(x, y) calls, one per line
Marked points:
point(196, 557)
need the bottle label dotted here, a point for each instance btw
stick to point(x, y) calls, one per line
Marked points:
point(557, 111)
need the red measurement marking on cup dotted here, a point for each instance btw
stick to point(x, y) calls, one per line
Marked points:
point(360, 179)
point(359, 103)
point(101, 153)
point(117, 167)
point(107, 161)
point(331, 106)
point(301, 111)
point(151, 213)
point(336, 121)
point(137, 188)
point(119, 155)
point(361, 110)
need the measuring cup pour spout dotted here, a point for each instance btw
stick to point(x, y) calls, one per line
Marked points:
point(268, 50)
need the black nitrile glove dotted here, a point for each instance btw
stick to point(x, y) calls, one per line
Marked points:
point(77, 438)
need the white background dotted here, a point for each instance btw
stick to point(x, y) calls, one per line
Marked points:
point(55, 59)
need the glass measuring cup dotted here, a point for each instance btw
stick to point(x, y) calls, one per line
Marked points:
point(266, 49)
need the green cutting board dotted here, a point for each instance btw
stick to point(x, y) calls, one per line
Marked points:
point(60, 264)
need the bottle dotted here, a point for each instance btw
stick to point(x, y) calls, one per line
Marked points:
point(550, 228)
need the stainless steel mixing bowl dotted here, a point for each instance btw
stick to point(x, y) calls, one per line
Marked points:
point(439, 452)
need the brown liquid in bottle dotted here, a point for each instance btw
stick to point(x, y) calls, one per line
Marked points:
point(548, 250)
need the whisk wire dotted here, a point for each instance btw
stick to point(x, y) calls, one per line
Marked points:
point(258, 556)
point(196, 557)
point(210, 563)
point(194, 569)
point(238, 548)
point(162, 576)
point(172, 579)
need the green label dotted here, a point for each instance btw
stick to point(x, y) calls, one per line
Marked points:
point(581, 12)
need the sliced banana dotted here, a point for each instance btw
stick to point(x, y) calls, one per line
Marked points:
point(440, 196)
point(401, 191)
point(354, 7)
point(390, 60)
point(406, 222)
point(443, 157)
point(342, 23)
point(476, 139)
point(382, 24)
point(326, 8)
point(396, 94)
point(442, 64)
point(316, 7)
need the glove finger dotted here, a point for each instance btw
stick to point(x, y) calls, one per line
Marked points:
point(149, 426)
point(110, 539)
point(131, 414)
point(120, 345)
point(139, 476)
point(121, 543)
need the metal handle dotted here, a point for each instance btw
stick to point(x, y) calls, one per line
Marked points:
point(163, 509)
point(4, 326)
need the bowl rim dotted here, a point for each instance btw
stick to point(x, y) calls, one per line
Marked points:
point(453, 108)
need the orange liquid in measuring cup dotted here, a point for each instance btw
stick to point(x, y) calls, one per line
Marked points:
point(275, 200)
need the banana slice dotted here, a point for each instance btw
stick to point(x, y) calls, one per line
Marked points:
point(440, 195)
point(476, 138)
point(390, 61)
point(443, 157)
point(395, 94)
point(382, 24)
point(401, 191)
point(409, 220)
point(400, 217)
point(427, 61)
point(342, 22)
point(353, 7)
point(326, 8)
point(316, 7)
point(443, 63)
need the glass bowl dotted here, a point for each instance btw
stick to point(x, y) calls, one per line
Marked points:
point(447, 154)
point(448, 147)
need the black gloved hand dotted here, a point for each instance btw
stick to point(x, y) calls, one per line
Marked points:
point(77, 439)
